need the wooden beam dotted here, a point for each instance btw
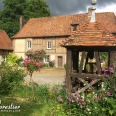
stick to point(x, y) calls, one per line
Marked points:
point(75, 55)
point(91, 76)
point(87, 86)
point(81, 64)
point(68, 70)
point(98, 62)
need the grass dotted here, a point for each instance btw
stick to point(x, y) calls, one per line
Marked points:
point(27, 108)
point(35, 102)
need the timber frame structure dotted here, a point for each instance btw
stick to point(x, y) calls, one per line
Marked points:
point(90, 40)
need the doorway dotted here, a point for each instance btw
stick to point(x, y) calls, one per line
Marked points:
point(59, 61)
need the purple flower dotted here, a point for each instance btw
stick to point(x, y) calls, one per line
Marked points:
point(77, 99)
point(96, 98)
point(104, 70)
point(60, 99)
point(73, 94)
point(81, 100)
point(56, 90)
point(69, 99)
point(77, 95)
point(100, 95)
point(107, 76)
point(108, 94)
point(111, 69)
point(84, 103)
point(74, 88)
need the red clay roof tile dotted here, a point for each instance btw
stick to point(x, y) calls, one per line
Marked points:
point(5, 41)
point(91, 34)
point(61, 25)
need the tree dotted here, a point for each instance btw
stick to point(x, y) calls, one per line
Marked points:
point(13, 9)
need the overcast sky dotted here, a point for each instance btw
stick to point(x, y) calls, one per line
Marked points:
point(64, 7)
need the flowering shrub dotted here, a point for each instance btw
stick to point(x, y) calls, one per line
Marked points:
point(32, 65)
point(37, 55)
point(99, 103)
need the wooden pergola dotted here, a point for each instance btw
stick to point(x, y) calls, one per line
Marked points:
point(89, 41)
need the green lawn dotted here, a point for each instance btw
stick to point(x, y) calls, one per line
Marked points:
point(27, 108)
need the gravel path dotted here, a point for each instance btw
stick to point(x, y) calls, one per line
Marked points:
point(48, 76)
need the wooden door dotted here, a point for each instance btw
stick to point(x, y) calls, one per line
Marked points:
point(59, 61)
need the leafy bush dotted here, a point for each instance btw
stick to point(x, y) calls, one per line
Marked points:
point(65, 66)
point(45, 65)
point(11, 59)
point(11, 78)
point(52, 63)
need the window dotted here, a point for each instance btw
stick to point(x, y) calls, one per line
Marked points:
point(74, 27)
point(49, 45)
point(29, 56)
point(29, 44)
point(46, 59)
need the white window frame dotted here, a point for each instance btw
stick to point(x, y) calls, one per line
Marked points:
point(29, 44)
point(49, 45)
point(46, 59)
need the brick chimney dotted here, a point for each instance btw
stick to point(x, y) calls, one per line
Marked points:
point(22, 22)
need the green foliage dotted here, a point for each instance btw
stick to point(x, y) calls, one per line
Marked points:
point(11, 59)
point(65, 66)
point(13, 9)
point(37, 55)
point(11, 78)
point(45, 65)
point(52, 63)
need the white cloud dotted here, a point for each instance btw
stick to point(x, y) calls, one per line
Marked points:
point(109, 8)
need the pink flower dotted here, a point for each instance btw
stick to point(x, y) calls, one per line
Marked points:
point(38, 69)
point(100, 95)
point(27, 59)
point(69, 99)
point(34, 63)
point(25, 63)
point(84, 103)
point(60, 99)
point(108, 94)
point(56, 90)
point(77, 99)
point(81, 100)
point(96, 98)
point(92, 80)
point(107, 76)
point(73, 94)
point(77, 95)
point(111, 69)
point(74, 88)
point(104, 70)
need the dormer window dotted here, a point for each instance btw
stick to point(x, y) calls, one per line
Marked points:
point(114, 34)
point(74, 27)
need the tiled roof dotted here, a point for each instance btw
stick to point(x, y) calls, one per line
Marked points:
point(91, 34)
point(5, 41)
point(60, 25)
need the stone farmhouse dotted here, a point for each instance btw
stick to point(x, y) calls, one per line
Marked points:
point(46, 33)
point(5, 45)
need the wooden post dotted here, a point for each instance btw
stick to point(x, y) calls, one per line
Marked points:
point(68, 70)
point(75, 58)
point(111, 59)
point(81, 64)
point(98, 62)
